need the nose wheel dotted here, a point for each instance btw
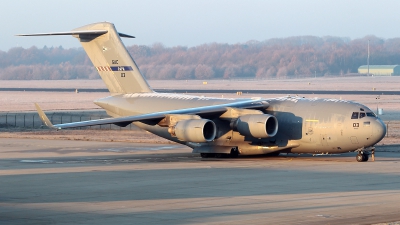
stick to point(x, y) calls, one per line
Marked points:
point(363, 155)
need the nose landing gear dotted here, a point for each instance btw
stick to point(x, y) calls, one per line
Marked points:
point(362, 157)
point(363, 154)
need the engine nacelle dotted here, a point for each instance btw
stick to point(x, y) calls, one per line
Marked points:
point(201, 130)
point(257, 125)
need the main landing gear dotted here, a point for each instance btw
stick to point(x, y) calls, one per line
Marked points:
point(234, 154)
point(215, 155)
point(207, 155)
point(363, 155)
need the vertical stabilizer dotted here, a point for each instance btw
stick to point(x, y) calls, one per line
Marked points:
point(111, 59)
point(109, 56)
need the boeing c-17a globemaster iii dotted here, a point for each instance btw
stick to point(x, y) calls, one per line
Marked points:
point(220, 126)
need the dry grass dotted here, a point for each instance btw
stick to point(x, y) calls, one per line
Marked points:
point(23, 101)
point(338, 83)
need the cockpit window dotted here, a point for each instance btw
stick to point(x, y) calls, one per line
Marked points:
point(362, 115)
point(371, 114)
point(361, 109)
point(354, 115)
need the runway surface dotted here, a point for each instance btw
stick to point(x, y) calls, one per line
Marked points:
point(79, 182)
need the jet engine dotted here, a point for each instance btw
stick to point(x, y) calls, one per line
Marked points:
point(256, 125)
point(198, 130)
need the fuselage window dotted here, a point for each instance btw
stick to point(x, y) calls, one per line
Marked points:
point(362, 115)
point(371, 114)
point(354, 115)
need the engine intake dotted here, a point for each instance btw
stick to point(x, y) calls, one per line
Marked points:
point(258, 126)
point(201, 130)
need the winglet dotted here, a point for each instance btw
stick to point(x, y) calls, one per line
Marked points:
point(44, 118)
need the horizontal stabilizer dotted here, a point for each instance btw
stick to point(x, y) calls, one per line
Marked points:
point(78, 32)
point(125, 35)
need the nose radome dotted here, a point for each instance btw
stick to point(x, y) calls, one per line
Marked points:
point(379, 130)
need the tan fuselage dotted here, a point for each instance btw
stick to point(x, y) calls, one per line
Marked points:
point(304, 125)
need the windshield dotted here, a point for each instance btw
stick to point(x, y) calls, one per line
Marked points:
point(371, 114)
point(360, 115)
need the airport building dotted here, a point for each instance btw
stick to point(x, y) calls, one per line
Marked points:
point(380, 70)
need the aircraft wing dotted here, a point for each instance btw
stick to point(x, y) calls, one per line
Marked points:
point(204, 110)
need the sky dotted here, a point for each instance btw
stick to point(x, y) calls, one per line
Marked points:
point(195, 22)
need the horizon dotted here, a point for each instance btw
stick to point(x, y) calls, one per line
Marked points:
point(249, 42)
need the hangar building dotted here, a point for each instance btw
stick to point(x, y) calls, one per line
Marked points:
point(380, 70)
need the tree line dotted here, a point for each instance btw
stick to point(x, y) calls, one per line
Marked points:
point(293, 57)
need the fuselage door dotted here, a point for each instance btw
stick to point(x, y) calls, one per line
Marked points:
point(354, 140)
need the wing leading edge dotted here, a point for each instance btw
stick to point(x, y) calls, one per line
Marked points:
point(213, 109)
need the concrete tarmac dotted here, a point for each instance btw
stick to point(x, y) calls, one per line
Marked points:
point(81, 182)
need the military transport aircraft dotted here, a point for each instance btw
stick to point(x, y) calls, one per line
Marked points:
point(216, 127)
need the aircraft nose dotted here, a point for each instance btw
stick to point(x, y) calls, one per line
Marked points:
point(379, 130)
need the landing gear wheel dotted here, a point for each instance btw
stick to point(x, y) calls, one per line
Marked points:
point(359, 157)
point(362, 157)
point(365, 157)
point(221, 155)
point(206, 155)
point(234, 153)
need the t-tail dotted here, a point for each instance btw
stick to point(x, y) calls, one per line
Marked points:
point(109, 56)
